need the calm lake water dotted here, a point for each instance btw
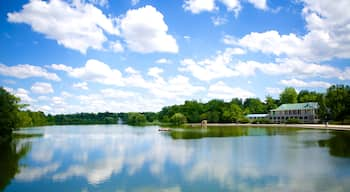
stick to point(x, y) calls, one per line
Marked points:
point(124, 158)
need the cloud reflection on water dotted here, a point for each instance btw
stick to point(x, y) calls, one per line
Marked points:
point(251, 163)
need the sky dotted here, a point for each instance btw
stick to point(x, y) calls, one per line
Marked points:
point(141, 55)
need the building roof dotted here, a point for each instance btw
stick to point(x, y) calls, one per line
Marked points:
point(256, 115)
point(297, 106)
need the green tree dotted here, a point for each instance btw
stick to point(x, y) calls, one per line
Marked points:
point(289, 95)
point(338, 101)
point(24, 119)
point(308, 96)
point(270, 103)
point(254, 105)
point(233, 113)
point(8, 112)
point(178, 119)
point(136, 119)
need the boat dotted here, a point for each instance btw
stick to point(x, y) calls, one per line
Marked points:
point(164, 129)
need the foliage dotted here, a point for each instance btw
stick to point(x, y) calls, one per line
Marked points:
point(293, 121)
point(11, 154)
point(338, 101)
point(334, 105)
point(8, 112)
point(289, 95)
point(254, 105)
point(270, 103)
point(85, 118)
point(233, 113)
point(136, 119)
point(178, 119)
point(308, 96)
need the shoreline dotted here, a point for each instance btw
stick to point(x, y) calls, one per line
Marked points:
point(306, 126)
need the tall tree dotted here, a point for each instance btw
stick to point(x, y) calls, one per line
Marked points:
point(289, 95)
point(338, 101)
point(8, 112)
point(308, 96)
point(254, 105)
point(270, 103)
point(233, 113)
point(178, 119)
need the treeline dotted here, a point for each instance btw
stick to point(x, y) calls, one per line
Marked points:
point(334, 105)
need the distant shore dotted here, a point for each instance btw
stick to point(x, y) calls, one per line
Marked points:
point(306, 126)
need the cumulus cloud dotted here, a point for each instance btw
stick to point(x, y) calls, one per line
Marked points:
point(116, 46)
point(24, 71)
point(23, 94)
point(212, 68)
point(220, 90)
point(163, 61)
point(95, 71)
point(134, 2)
point(101, 3)
point(144, 36)
point(155, 72)
point(81, 85)
point(177, 87)
point(301, 83)
point(259, 4)
point(327, 36)
point(273, 90)
point(197, 6)
point(77, 26)
point(42, 88)
point(291, 68)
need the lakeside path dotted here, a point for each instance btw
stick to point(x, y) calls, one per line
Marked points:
point(306, 126)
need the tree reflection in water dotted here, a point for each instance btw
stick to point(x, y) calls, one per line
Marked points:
point(198, 133)
point(338, 144)
point(12, 151)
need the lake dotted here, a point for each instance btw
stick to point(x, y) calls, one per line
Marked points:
point(124, 158)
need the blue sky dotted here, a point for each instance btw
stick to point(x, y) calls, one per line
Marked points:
point(140, 55)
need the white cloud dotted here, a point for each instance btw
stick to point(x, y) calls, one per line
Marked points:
point(134, 2)
point(175, 88)
point(163, 61)
point(24, 71)
point(95, 71)
point(259, 4)
point(290, 68)
point(229, 40)
point(187, 37)
point(117, 94)
point(300, 83)
point(232, 5)
point(42, 88)
point(220, 90)
point(35, 173)
point(116, 46)
point(144, 36)
point(23, 94)
point(155, 72)
point(273, 90)
point(327, 36)
point(197, 6)
point(212, 68)
point(101, 3)
point(81, 85)
point(77, 26)
point(217, 21)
